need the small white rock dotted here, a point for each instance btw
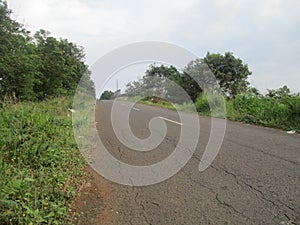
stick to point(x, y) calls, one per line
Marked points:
point(291, 132)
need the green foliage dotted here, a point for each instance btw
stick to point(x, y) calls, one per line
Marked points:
point(39, 162)
point(164, 81)
point(182, 79)
point(230, 72)
point(202, 104)
point(106, 95)
point(61, 65)
point(283, 112)
point(200, 75)
point(17, 57)
point(251, 107)
point(211, 104)
point(37, 67)
point(279, 93)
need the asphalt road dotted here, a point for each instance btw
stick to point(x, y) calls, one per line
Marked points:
point(253, 180)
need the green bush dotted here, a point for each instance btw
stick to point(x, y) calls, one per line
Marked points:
point(211, 104)
point(202, 104)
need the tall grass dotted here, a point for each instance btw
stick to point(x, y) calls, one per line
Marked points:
point(281, 112)
point(39, 162)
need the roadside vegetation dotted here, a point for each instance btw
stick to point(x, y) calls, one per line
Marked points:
point(279, 111)
point(40, 163)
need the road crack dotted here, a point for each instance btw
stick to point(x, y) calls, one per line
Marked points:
point(257, 192)
point(276, 203)
point(263, 152)
point(231, 207)
point(141, 205)
point(216, 197)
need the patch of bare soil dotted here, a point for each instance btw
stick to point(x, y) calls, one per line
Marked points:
point(94, 202)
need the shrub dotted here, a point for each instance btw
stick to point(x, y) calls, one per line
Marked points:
point(211, 104)
point(202, 104)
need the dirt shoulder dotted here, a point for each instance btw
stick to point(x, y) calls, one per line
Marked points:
point(95, 202)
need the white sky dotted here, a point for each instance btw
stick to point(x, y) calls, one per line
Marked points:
point(265, 34)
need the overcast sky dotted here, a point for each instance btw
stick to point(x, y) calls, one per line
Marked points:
point(265, 34)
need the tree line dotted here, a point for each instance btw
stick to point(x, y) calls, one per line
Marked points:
point(39, 66)
point(230, 73)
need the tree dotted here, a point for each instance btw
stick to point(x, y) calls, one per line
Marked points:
point(18, 66)
point(198, 76)
point(254, 91)
point(168, 83)
point(39, 67)
point(61, 65)
point(231, 72)
point(155, 82)
point(279, 93)
point(182, 79)
point(106, 95)
point(134, 88)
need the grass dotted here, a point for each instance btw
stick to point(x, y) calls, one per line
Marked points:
point(39, 162)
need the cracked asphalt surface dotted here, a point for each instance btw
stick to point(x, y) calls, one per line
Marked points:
point(253, 180)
